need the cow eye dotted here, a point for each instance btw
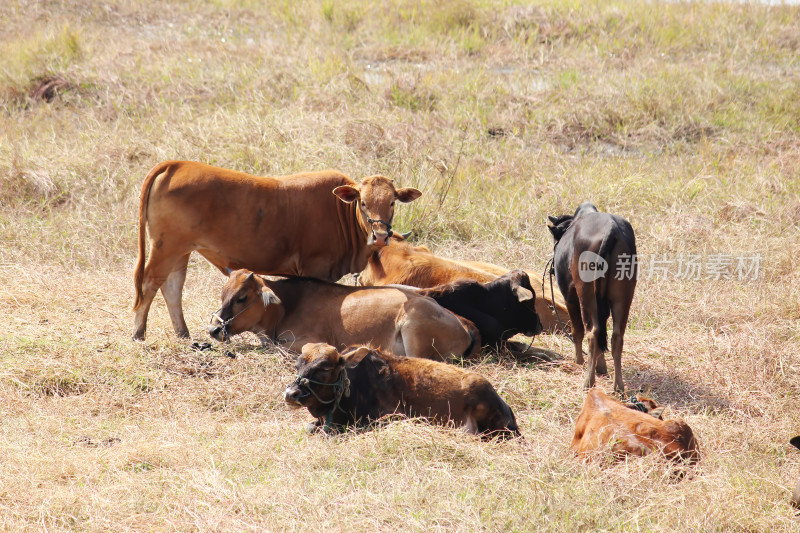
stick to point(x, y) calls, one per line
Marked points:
point(391, 204)
point(241, 299)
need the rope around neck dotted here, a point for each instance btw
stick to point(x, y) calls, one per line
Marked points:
point(341, 387)
point(550, 264)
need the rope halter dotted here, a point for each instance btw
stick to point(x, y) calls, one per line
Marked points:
point(341, 387)
point(225, 323)
point(374, 220)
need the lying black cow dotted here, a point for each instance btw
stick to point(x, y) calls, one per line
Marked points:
point(500, 308)
point(595, 266)
point(361, 385)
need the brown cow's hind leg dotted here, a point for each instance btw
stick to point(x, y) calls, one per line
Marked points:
point(156, 272)
point(172, 290)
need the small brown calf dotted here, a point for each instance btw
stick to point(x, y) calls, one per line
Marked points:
point(630, 429)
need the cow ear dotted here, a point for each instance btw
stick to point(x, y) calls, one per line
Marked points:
point(269, 297)
point(408, 194)
point(552, 221)
point(352, 359)
point(523, 294)
point(795, 442)
point(347, 193)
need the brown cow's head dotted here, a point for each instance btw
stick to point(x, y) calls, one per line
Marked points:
point(375, 199)
point(245, 299)
point(321, 377)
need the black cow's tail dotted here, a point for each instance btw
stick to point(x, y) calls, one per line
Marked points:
point(601, 289)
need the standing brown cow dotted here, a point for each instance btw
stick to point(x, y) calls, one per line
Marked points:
point(316, 224)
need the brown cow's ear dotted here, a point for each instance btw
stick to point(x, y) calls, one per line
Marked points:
point(352, 359)
point(269, 297)
point(347, 193)
point(408, 194)
point(523, 294)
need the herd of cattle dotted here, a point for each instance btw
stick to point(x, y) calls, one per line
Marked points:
point(382, 347)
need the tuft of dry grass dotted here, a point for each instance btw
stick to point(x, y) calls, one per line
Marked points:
point(502, 113)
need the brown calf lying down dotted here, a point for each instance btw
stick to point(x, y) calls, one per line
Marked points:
point(796, 494)
point(626, 430)
point(295, 311)
point(361, 385)
point(405, 264)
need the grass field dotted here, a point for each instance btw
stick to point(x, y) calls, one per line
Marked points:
point(683, 117)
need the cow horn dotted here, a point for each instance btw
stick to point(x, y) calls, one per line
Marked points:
point(407, 234)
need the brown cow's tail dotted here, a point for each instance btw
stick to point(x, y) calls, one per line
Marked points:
point(474, 348)
point(138, 271)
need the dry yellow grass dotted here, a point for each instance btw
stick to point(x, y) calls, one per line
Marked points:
point(682, 117)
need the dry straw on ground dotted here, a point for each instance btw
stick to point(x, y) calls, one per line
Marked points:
point(681, 116)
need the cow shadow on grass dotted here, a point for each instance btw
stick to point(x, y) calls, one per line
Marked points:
point(672, 389)
point(668, 388)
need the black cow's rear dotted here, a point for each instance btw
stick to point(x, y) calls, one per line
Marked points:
point(595, 266)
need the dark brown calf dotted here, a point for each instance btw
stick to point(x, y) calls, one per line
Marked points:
point(361, 385)
point(630, 429)
point(595, 265)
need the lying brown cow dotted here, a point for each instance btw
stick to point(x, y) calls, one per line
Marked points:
point(362, 385)
point(317, 224)
point(405, 264)
point(796, 494)
point(295, 311)
point(630, 429)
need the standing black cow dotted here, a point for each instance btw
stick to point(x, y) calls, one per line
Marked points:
point(596, 269)
point(500, 308)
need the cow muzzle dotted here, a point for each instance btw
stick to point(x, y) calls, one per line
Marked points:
point(296, 396)
point(218, 332)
